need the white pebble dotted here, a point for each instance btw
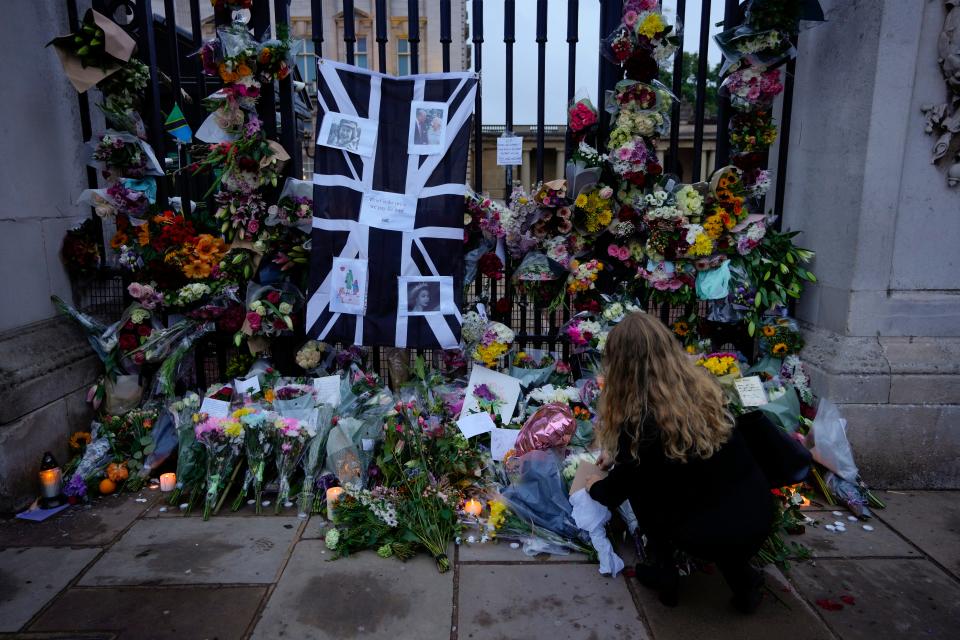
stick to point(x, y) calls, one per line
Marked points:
point(840, 523)
point(471, 539)
point(251, 501)
point(188, 571)
point(830, 527)
point(867, 527)
point(265, 503)
point(141, 499)
point(183, 506)
point(852, 518)
point(288, 504)
point(514, 545)
point(838, 513)
point(163, 509)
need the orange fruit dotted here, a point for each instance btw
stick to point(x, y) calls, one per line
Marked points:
point(107, 486)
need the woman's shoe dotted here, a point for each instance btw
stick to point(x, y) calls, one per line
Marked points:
point(664, 580)
point(749, 601)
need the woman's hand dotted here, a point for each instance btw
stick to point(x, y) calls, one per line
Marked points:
point(605, 461)
point(593, 478)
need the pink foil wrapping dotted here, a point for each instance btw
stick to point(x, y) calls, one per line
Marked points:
point(552, 425)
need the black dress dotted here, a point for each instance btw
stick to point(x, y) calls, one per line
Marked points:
point(717, 509)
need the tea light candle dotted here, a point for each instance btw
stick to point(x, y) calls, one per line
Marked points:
point(333, 494)
point(473, 507)
point(168, 482)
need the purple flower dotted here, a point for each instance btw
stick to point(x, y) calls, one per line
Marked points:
point(482, 392)
point(76, 487)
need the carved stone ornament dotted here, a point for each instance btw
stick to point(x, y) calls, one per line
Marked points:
point(943, 120)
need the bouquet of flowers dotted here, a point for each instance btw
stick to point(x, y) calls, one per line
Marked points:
point(290, 439)
point(80, 252)
point(532, 367)
point(487, 341)
point(257, 445)
point(780, 337)
point(273, 60)
point(269, 311)
point(751, 88)
point(752, 131)
point(594, 210)
point(291, 210)
point(223, 440)
point(122, 156)
point(582, 118)
point(583, 276)
point(314, 356)
point(582, 331)
point(190, 453)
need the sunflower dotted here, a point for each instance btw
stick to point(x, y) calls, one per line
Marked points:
point(769, 331)
point(779, 349)
point(80, 439)
point(681, 328)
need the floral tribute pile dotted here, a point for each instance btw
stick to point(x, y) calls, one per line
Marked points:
point(401, 468)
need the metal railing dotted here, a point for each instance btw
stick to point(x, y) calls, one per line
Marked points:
point(172, 62)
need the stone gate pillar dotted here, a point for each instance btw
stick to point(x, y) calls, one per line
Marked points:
point(883, 323)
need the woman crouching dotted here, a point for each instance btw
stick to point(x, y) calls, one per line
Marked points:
point(690, 478)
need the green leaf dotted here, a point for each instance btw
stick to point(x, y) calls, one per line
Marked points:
point(752, 327)
point(137, 455)
point(145, 440)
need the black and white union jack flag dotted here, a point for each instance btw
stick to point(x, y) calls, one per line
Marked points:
point(389, 173)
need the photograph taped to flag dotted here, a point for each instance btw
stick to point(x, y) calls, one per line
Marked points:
point(341, 131)
point(425, 295)
point(420, 240)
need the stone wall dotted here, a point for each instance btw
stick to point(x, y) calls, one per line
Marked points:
point(45, 363)
point(884, 320)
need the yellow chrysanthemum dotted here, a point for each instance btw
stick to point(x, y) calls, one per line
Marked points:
point(233, 429)
point(702, 246)
point(581, 200)
point(651, 26)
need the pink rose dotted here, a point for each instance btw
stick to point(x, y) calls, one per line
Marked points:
point(624, 253)
point(630, 18)
point(606, 192)
point(253, 319)
point(135, 290)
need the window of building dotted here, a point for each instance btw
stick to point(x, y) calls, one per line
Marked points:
point(306, 59)
point(403, 57)
point(360, 52)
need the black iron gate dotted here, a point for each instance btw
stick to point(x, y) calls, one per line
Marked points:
point(175, 71)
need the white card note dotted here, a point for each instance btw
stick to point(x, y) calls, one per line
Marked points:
point(751, 391)
point(475, 424)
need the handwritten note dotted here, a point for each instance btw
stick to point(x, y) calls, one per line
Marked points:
point(475, 424)
point(501, 441)
point(751, 391)
point(384, 210)
point(328, 390)
point(215, 408)
point(250, 385)
point(509, 150)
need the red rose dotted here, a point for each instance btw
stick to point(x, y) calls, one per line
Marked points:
point(144, 330)
point(279, 325)
point(253, 319)
point(503, 306)
point(273, 297)
point(128, 342)
point(491, 266)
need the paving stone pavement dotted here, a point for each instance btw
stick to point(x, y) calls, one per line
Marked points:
point(122, 568)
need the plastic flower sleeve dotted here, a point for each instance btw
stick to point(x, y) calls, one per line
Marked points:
point(164, 434)
point(591, 516)
point(343, 457)
point(313, 458)
point(539, 495)
point(236, 40)
point(830, 445)
point(173, 360)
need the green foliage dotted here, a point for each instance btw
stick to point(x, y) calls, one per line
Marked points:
point(688, 83)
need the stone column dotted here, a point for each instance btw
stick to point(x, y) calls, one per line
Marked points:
point(883, 323)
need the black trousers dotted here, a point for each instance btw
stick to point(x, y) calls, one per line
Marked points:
point(733, 560)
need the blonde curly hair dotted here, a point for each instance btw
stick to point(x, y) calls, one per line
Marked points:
point(649, 380)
